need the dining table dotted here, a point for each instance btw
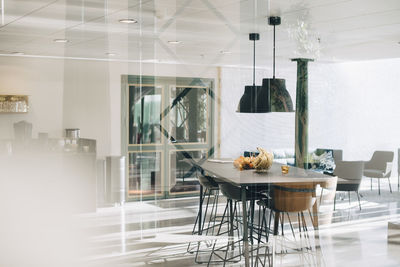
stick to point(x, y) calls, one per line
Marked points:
point(224, 171)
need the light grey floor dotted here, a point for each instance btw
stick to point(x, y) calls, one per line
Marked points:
point(157, 233)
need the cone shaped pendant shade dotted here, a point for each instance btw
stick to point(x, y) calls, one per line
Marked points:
point(255, 98)
point(280, 100)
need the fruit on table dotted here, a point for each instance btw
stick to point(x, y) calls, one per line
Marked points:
point(264, 160)
point(243, 163)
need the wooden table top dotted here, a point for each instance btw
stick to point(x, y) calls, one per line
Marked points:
point(225, 171)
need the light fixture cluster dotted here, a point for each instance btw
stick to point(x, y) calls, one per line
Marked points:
point(272, 96)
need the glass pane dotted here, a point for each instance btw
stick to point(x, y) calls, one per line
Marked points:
point(183, 176)
point(144, 114)
point(144, 173)
point(188, 117)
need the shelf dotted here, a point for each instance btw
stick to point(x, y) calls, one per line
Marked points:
point(14, 104)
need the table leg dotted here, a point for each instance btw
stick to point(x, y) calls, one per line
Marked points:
point(200, 209)
point(245, 227)
point(276, 223)
point(315, 216)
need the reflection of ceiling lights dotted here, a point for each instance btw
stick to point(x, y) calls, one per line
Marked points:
point(110, 54)
point(174, 42)
point(61, 41)
point(128, 21)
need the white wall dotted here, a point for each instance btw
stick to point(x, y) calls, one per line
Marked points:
point(84, 94)
point(352, 106)
point(43, 83)
point(241, 131)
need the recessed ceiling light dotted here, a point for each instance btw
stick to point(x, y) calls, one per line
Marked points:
point(110, 54)
point(60, 40)
point(17, 53)
point(128, 21)
point(225, 52)
point(174, 42)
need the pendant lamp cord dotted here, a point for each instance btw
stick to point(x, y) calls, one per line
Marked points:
point(274, 56)
point(254, 62)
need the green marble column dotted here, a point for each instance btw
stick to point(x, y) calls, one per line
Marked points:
point(301, 135)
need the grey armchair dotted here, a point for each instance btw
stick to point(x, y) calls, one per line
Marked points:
point(380, 166)
point(351, 173)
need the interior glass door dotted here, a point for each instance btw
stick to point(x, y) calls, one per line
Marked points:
point(167, 124)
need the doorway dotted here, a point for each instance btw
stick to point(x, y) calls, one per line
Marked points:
point(166, 122)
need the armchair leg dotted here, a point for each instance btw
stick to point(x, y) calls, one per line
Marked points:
point(358, 196)
point(379, 186)
point(334, 203)
point(349, 198)
point(390, 187)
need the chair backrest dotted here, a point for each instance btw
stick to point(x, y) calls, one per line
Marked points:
point(379, 160)
point(350, 170)
point(337, 155)
point(208, 182)
point(230, 191)
point(293, 197)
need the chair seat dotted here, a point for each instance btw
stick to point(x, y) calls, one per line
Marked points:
point(208, 182)
point(347, 187)
point(373, 173)
point(234, 192)
point(265, 202)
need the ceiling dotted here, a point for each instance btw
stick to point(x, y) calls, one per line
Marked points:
point(328, 30)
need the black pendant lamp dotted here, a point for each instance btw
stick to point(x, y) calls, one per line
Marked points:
point(280, 100)
point(254, 99)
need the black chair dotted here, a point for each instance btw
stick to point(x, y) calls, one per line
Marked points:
point(351, 172)
point(208, 219)
point(234, 196)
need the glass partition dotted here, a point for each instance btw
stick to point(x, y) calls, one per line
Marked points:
point(168, 124)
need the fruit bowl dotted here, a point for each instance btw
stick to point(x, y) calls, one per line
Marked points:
point(244, 163)
point(263, 161)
